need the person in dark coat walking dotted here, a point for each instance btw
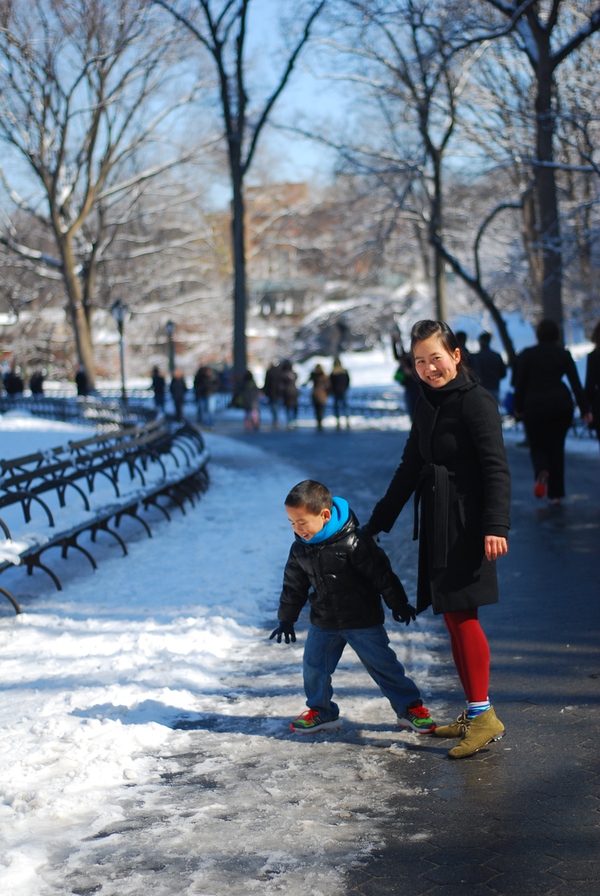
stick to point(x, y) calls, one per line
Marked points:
point(489, 366)
point(289, 391)
point(13, 383)
point(592, 380)
point(249, 397)
point(455, 464)
point(405, 374)
point(339, 379)
point(206, 386)
point(158, 387)
point(320, 392)
point(545, 405)
point(272, 391)
point(36, 382)
point(82, 382)
point(178, 389)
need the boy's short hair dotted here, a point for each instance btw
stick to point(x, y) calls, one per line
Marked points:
point(313, 494)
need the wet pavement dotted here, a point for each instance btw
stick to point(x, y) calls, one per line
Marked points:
point(521, 817)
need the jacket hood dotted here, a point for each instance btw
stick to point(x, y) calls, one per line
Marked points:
point(342, 521)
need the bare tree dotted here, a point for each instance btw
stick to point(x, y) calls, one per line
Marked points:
point(547, 34)
point(414, 65)
point(221, 29)
point(83, 110)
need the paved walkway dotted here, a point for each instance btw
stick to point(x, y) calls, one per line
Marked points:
point(522, 817)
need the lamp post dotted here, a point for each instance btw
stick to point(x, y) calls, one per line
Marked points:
point(119, 311)
point(170, 328)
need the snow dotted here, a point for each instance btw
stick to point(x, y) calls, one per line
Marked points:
point(99, 789)
point(101, 792)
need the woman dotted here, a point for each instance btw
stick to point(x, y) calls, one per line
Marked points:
point(320, 392)
point(249, 400)
point(289, 392)
point(455, 464)
point(339, 379)
point(592, 380)
point(545, 405)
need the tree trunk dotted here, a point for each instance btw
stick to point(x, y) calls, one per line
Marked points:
point(76, 312)
point(238, 226)
point(439, 262)
point(531, 243)
point(545, 189)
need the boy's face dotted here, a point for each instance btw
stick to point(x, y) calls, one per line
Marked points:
point(306, 524)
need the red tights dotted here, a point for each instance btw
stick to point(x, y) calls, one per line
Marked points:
point(471, 653)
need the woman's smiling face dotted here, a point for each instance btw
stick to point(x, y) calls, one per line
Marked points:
point(434, 364)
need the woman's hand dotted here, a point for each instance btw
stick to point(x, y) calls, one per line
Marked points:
point(495, 546)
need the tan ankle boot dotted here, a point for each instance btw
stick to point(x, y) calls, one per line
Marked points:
point(455, 729)
point(482, 729)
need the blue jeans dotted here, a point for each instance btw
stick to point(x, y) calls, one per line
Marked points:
point(323, 651)
point(206, 409)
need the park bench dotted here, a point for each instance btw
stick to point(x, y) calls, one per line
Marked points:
point(155, 465)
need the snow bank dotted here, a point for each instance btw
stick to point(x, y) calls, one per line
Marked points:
point(99, 788)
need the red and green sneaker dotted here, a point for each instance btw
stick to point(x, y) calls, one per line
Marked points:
point(417, 718)
point(310, 721)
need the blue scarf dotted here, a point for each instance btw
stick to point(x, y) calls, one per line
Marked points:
point(340, 514)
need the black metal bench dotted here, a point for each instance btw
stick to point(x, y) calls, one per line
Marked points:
point(161, 460)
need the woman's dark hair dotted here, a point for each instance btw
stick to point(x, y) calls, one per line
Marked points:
point(313, 494)
point(423, 329)
point(596, 335)
point(547, 331)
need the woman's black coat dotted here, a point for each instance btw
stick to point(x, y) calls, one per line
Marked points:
point(455, 463)
point(343, 578)
point(592, 386)
point(539, 388)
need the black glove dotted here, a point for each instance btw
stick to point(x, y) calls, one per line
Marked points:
point(405, 614)
point(286, 629)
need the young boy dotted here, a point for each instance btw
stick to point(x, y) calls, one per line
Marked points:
point(343, 573)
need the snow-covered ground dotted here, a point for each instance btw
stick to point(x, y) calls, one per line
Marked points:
point(100, 792)
point(145, 712)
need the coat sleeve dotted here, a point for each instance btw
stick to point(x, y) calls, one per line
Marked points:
point(373, 564)
point(590, 379)
point(294, 593)
point(481, 416)
point(575, 382)
point(521, 376)
point(403, 484)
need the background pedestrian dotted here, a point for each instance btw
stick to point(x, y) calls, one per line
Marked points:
point(36, 382)
point(288, 389)
point(82, 382)
point(320, 391)
point(592, 380)
point(158, 387)
point(405, 374)
point(272, 391)
point(489, 366)
point(339, 379)
point(249, 396)
point(545, 405)
point(206, 386)
point(178, 389)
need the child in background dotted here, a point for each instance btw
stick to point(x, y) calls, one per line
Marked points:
point(343, 573)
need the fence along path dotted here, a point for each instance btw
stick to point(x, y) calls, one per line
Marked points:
point(48, 499)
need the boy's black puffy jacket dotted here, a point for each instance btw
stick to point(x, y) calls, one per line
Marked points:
point(344, 578)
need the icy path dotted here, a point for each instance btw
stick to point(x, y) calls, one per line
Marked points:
point(100, 794)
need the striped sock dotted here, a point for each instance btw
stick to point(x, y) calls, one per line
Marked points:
point(475, 709)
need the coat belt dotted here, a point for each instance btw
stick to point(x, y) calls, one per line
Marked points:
point(434, 486)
